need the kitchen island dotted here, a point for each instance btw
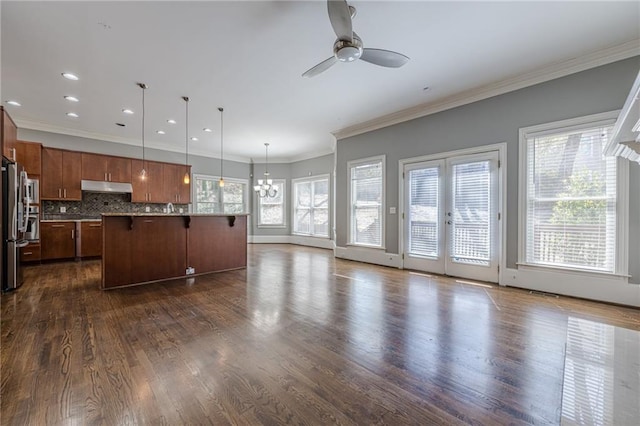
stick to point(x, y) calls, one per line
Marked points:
point(140, 248)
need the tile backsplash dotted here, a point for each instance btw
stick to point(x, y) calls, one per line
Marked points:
point(93, 204)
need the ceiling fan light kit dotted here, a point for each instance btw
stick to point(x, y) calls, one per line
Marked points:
point(348, 46)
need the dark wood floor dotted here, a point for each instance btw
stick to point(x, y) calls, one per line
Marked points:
point(298, 337)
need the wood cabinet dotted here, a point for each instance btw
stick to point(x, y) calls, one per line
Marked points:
point(29, 154)
point(90, 241)
point(30, 253)
point(150, 189)
point(9, 138)
point(175, 190)
point(106, 168)
point(57, 240)
point(61, 175)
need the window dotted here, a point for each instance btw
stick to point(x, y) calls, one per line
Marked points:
point(571, 198)
point(311, 206)
point(210, 198)
point(366, 218)
point(271, 209)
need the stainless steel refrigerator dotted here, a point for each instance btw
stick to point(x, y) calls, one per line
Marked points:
point(15, 204)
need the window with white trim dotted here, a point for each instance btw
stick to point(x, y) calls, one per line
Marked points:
point(311, 206)
point(571, 198)
point(210, 198)
point(366, 216)
point(271, 210)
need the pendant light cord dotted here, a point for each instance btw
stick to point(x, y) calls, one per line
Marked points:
point(186, 133)
point(143, 89)
point(221, 140)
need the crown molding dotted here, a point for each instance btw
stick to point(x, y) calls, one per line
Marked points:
point(551, 72)
point(43, 127)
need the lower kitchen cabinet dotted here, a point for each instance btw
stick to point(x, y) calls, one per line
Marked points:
point(90, 239)
point(30, 253)
point(57, 240)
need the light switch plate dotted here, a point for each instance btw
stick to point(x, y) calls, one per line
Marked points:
point(392, 210)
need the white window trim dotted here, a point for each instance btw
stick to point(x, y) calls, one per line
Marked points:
point(350, 165)
point(194, 189)
point(284, 208)
point(293, 203)
point(621, 266)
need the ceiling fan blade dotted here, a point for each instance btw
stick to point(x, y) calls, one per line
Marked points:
point(321, 67)
point(340, 17)
point(384, 58)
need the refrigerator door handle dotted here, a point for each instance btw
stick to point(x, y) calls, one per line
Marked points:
point(24, 198)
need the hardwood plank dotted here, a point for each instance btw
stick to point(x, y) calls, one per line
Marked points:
point(296, 337)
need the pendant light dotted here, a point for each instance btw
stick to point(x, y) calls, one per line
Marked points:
point(221, 182)
point(186, 179)
point(265, 187)
point(143, 172)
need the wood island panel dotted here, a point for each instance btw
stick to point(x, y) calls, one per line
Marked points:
point(216, 246)
point(145, 248)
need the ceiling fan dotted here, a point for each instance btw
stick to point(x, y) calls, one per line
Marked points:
point(348, 46)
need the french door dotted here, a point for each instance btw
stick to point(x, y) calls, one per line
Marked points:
point(451, 216)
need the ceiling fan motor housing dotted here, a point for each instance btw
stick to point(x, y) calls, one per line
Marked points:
point(348, 50)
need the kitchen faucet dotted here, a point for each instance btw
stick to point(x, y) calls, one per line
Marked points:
point(170, 208)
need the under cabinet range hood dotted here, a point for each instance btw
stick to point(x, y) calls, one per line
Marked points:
point(114, 187)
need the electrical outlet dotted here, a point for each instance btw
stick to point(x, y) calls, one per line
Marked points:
point(63, 209)
point(190, 271)
point(392, 210)
point(181, 210)
point(147, 209)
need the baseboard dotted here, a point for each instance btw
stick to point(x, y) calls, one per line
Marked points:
point(367, 255)
point(600, 288)
point(300, 240)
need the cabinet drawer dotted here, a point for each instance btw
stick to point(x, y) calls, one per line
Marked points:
point(30, 253)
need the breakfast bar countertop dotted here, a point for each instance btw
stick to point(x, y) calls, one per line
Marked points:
point(173, 214)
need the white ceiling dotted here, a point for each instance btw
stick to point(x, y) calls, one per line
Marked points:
point(248, 57)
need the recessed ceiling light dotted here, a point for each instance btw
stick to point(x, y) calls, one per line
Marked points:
point(72, 99)
point(127, 111)
point(120, 124)
point(206, 129)
point(70, 76)
point(171, 121)
point(426, 88)
point(194, 138)
point(72, 114)
point(160, 132)
point(14, 103)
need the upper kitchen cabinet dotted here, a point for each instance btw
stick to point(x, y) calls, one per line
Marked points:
point(29, 154)
point(61, 175)
point(151, 188)
point(106, 168)
point(9, 137)
point(175, 190)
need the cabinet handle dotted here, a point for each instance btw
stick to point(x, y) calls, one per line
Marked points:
point(148, 221)
point(65, 193)
point(59, 193)
point(13, 154)
point(57, 226)
point(105, 176)
point(27, 253)
point(149, 196)
point(73, 234)
point(109, 177)
point(95, 226)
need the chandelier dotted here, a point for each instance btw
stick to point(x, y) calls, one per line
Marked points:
point(265, 187)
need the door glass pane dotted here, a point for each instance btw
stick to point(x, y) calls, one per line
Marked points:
point(423, 212)
point(470, 233)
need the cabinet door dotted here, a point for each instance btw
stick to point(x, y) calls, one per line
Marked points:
point(29, 154)
point(155, 182)
point(172, 176)
point(51, 179)
point(9, 136)
point(72, 175)
point(94, 167)
point(57, 240)
point(158, 247)
point(30, 253)
point(90, 239)
point(139, 185)
point(119, 169)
